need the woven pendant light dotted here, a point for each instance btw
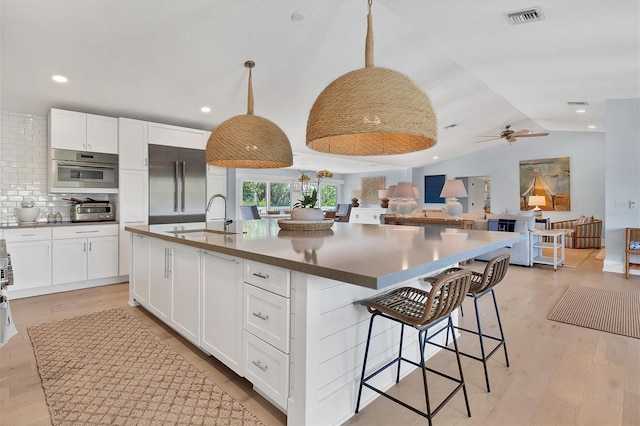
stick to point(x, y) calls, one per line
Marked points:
point(371, 111)
point(249, 141)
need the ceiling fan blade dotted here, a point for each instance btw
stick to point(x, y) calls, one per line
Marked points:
point(520, 132)
point(530, 135)
point(511, 139)
point(487, 140)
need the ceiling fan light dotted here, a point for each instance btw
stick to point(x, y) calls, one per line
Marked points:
point(249, 141)
point(371, 111)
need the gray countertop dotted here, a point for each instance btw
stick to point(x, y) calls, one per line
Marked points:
point(373, 256)
point(16, 225)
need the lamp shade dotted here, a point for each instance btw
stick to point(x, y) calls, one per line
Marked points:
point(537, 200)
point(371, 111)
point(249, 141)
point(391, 191)
point(404, 190)
point(453, 188)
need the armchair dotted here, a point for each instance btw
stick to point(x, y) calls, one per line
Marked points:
point(581, 233)
point(342, 213)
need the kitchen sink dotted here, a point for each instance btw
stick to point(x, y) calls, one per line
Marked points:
point(202, 231)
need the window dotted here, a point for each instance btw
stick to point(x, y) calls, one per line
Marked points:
point(328, 196)
point(280, 196)
point(254, 193)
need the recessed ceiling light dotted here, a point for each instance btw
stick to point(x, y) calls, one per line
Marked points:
point(592, 126)
point(59, 78)
point(581, 110)
point(435, 157)
point(297, 16)
point(205, 109)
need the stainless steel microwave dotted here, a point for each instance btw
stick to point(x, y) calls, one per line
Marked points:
point(83, 171)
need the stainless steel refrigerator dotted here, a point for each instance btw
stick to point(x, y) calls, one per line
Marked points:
point(177, 184)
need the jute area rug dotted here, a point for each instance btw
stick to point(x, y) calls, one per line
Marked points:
point(611, 311)
point(108, 369)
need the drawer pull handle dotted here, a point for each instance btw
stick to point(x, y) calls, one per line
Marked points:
point(87, 232)
point(260, 275)
point(27, 235)
point(262, 317)
point(259, 365)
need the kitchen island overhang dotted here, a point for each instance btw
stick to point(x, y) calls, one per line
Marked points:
point(372, 256)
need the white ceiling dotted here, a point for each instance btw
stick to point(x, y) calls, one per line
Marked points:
point(162, 60)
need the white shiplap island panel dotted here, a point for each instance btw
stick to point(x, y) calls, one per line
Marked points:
point(329, 271)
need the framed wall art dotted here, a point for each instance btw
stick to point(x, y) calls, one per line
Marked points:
point(547, 177)
point(433, 187)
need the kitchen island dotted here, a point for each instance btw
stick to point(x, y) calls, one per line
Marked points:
point(277, 306)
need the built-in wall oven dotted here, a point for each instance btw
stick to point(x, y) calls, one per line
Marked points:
point(83, 171)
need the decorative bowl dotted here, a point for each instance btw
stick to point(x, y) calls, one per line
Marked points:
point(27, 214)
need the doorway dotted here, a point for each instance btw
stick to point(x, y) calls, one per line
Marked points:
point(479, 190)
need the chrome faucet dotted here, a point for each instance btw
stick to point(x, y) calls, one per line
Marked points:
point(227, 221)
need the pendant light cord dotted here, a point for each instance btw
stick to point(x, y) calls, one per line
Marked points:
point(250, 65)
point(368, 54)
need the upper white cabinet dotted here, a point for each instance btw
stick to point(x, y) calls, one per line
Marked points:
point(82, 132)
point(182, 137)
point(132, 144)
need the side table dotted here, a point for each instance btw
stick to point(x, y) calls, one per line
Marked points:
point(548, 239)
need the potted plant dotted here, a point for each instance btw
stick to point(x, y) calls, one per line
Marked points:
point(305, 208)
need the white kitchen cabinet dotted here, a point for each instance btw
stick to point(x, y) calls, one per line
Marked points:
point(139, 276)
point(133, 209)
point(266, 313)
point(82, 132)
point(222, 309)
point(83, 253)
point(132, 144)
point(185, 292)
point(182, 137)
point(30, 250)
point(159, 279)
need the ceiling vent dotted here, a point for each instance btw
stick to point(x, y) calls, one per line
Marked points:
point(577, 103)
point(525, 16)
point(450, 126)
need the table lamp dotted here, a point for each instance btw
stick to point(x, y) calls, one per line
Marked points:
point(453, 189)
point(537, 201)
point(406, 194)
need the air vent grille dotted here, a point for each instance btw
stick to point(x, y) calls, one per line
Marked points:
point(450, 126)
point(582, 103)
point(525, 16)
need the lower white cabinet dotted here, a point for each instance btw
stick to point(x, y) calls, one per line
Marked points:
point(222, 309)
point(139, 275)
point(30, 250)
point(173, 285)
point(266, 324)
point(83, 253)
point(185, 292)
point(159, 279)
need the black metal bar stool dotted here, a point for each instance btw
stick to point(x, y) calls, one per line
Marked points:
point(422, 310)
point(481, 285)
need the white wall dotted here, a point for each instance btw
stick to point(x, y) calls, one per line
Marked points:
point(502, 161)
point(622, 165)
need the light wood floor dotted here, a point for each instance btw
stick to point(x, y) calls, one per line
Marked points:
point(559, 375)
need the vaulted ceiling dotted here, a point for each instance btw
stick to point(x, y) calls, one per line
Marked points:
point(162, 60)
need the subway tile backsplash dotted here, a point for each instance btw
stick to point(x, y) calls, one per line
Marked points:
point(23, 168)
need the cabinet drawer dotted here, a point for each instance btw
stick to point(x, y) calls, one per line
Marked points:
point(268, 277)
point(27, 234)
point(266, 315)
point(267, 368)
point(84, 231)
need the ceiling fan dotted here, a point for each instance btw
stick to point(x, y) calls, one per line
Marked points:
point(511, 135)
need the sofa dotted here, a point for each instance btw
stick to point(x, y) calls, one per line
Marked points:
point(584, 232)
point(523, 222)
